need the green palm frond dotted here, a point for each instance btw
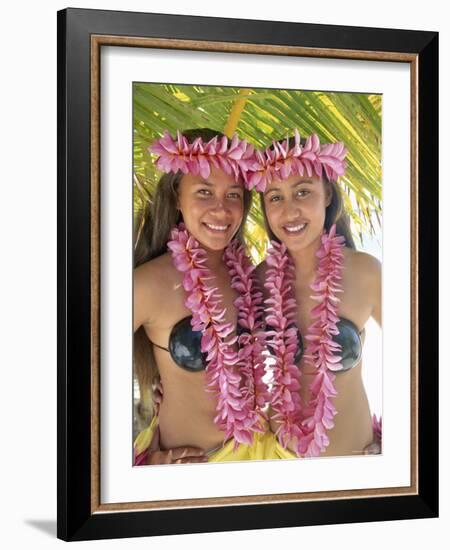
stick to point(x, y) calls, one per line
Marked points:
point(268, 114)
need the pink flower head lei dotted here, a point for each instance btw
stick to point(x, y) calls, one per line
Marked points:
point(280, 161)
point(234, 375)
point(234, 157)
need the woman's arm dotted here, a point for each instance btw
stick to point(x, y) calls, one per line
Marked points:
point(373, 274)
point(148, 289)
point(366, 272)
point(376, 291)
point(143, 295)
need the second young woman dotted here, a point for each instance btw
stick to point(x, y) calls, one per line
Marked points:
point(320, 293)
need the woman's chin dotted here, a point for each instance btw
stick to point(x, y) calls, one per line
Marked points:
point(292, 241)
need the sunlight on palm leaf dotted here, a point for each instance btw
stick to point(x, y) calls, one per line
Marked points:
point(260, 116)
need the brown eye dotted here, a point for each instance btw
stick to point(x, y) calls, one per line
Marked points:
point(234, 196)
point(274, 198)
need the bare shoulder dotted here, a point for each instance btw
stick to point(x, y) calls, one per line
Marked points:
point(365, 273)
point(362, 264)
point(155, 266)
point(154, 281)
point(152, 278)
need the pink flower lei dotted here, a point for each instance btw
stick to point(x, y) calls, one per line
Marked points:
point(307, 424)
point(235, 376)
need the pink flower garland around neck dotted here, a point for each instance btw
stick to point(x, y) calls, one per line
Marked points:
point(282, 337)
point(238, 413)
point(250, 308)
point(310, 423)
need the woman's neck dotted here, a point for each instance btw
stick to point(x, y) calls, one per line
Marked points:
point(305, 261)
point(214, 259)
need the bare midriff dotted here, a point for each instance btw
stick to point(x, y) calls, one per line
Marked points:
point(187, 411)
point(352, 430)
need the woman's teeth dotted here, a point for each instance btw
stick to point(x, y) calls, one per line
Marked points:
point(216, 227)
point(295, 228)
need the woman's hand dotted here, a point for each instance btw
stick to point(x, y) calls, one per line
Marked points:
point(178, 455)
point(373, 448)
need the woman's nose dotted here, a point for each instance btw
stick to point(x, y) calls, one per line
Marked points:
point(220, 204)
point(292, 210)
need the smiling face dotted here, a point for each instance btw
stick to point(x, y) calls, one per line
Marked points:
point(212, 208)
point(295, 210)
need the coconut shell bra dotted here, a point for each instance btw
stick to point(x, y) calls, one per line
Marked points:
point(349, 338)
point(184, 345)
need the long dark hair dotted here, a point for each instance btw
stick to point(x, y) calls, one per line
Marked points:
point(152, 230)
point(335, 212)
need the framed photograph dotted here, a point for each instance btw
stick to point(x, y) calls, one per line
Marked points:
point(131, 86)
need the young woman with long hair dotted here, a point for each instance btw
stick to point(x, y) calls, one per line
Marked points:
point(319, 294)
point(195, 306)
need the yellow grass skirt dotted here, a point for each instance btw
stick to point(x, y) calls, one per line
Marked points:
point(274, 450)
point(264, 447)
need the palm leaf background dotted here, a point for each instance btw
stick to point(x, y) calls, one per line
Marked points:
point(260, 116)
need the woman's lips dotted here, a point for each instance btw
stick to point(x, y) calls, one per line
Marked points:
point(295, 229)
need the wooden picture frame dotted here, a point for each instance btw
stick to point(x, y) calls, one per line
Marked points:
point(81, 36)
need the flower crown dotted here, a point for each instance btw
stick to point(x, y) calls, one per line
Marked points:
point(240, 158)
point(280, 162)
point(197, 157)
